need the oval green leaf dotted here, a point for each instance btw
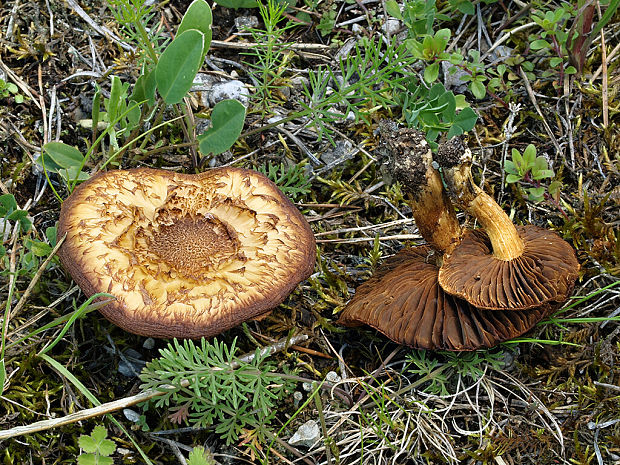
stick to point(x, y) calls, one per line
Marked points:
point(63, 155)
point(178, 65)
point(227, 121)
point(198, 16)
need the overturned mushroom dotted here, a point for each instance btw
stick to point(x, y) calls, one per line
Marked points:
point(403, 299)
point(184, 255)
point(503, 266)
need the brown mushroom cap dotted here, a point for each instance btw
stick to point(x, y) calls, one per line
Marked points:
point(504, 267)
point(545, 271)
point(404, 301)
point(184, 255)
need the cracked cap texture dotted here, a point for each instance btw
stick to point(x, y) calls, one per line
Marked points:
point(184, 255)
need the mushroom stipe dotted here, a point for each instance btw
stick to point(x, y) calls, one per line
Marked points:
point(185, 255)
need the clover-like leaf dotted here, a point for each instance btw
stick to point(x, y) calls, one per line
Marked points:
point(227, 121)
point(96, 442)
point(178, 65)
point(198, 16)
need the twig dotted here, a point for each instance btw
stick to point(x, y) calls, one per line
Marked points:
point(249, 45)
point(611, 55)
point(102, 30)
point(604, 94)
point(530, 92)
point(125, 402)
point(396, 237)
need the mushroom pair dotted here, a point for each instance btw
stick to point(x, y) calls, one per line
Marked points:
point(465, 290)
point(184, 255)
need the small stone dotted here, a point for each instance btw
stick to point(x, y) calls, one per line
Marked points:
point(306, 386)
point(306, 435)
point(297, 398)
point(131, 415)
point(453, 76)
point(333, 377)
point(229, 90)
point(391, 26)
point(149, 343)
point(244, 22)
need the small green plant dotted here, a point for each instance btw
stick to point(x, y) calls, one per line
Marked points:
point(200, 456)
point(8, 89)
point(166, 78)
point(364, 82)
point(97, 449)
point(292, 180)
point(207, 385)
point(270, 56)
point(553, 39)
point(441, 373)
point(529, 169)
point(436, 110)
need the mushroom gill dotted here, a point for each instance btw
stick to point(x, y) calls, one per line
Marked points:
point(504, 266)
point(184, 255)
point(404, 301)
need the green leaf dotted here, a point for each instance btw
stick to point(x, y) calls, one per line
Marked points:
point(540, 163)
point(536, 194)
point(97, 443)
point(2, 365)
point(63, 155)
point(8, 204)
point(554, 188)
point(198, 16)
point(431, 72)
point(464, 6)
point(512, 178)
point(87, 459)
point(393, 9)
point(87, 444)
point(541, 174)
point(517, 159)
point(553, 62)
point(478, 89)
point(144, 89)
point(178, 65)
point(51, 234)
point(509, 167)
point(237, 3)
point(21, 216)
point(529, 156)
point(227, 121)
point(38, 248)
point(465, 120)
point(113, 105)
point(539, 44)
point(199, 456)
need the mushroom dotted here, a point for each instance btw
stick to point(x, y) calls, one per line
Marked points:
point(504, 266)
point(184, 255)
point(403, 299)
